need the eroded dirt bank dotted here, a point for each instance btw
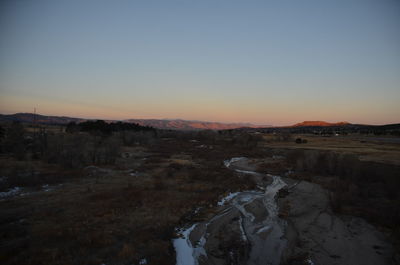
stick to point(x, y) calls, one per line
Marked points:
point(315, 233)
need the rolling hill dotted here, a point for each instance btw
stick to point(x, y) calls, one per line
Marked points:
point(176, 124)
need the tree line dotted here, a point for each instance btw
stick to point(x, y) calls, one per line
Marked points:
point(104, 127)
point(74, 145)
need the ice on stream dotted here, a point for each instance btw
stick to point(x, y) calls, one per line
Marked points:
point(184, 248)
point(268, 249)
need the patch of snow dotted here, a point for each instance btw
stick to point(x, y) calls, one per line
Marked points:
point(246, 197)
point(229, 197)
point(246, 172)
point(199, 249)
point(11, 192)
point(204, 146)
point(263, 229)
point(196, 211)
point(288, 172)
point(244, 237)
point(46, 187)
point(260, 187)
point(228, 162)
point(310, 262)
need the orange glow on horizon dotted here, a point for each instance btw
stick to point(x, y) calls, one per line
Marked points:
point(225, 113)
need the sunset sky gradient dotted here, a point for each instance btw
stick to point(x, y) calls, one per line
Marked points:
point(265, 62)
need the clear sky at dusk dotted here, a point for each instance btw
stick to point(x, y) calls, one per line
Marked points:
point(266, 62)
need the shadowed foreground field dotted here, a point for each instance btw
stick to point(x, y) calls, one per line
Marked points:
point(127, 212)
point(119, 214)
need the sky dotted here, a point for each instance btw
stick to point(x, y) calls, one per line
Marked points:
point(264, 62)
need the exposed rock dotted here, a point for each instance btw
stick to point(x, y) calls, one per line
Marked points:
point(326, 238)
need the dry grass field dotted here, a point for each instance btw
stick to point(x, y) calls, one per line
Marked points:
point(116, 214)
point(366, 148)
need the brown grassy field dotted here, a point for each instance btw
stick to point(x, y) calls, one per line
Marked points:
point(366, 148)
point(119, 214)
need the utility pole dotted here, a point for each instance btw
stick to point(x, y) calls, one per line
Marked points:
point(34, 123)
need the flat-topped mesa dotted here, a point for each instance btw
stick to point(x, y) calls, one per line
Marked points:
point(320, 124)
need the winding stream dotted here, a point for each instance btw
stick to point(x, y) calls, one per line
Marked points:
point(258, 223)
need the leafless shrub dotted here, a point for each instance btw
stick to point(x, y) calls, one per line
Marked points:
point(131, 138)
point(16, 141)
point(79, 150)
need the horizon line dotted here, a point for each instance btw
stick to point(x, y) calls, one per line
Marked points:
point(125, 119)
point(205, 121)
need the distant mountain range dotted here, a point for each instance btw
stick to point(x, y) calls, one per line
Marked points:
point(191, 125)
point(156, 123)
point(178, 124)
point(40, 119)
